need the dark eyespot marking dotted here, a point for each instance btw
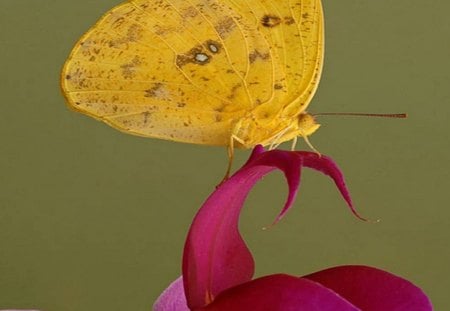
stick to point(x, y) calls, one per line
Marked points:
point(270, 20)
point(213, 46)
point(201, 58)
point(196, 55)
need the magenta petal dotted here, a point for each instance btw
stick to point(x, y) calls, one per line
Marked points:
point(327, 166)
point(172, 299)
point(215, 255)
point(258, 150)
point(371, 289)
point(280, 292)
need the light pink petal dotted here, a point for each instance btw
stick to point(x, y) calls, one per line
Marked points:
point(280, 292)
point(215, 255)
point(172, 299)
point(372, 289)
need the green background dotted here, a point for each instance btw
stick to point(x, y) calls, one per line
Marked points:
point(93, 219)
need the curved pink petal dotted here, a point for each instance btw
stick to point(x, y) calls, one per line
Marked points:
point(327, 166)
point(372, 289)
point(172, 299)
point(215, 255)
point(280, 292)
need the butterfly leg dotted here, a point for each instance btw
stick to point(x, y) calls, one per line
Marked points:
point(230, 150)
point(305, 137)
point(294, 143)
point(275, 139)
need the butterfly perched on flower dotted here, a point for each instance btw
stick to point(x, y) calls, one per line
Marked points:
point(213, 72)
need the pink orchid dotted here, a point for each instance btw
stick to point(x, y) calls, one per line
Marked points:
point(218, 267)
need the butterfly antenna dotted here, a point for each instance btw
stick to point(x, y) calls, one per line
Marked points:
point(353, 114)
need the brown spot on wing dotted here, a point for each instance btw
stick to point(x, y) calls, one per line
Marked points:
point(146, 114)
point(270, 21)
point(225, 26)
point(277, 86)
point(134, 33)
point(289, 20)
point(153, 91)
point(189, 12)
point(233, 91)
point(161, 31)
point(128, 70)
point(253, 56)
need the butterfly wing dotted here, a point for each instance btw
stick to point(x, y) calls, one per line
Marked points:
point(168, 70)
point(189, 70)
point(295, 31)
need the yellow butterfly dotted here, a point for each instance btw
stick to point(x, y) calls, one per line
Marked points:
point(235, 73)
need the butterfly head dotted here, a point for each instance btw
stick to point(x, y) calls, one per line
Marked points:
point(249, 132)
point(307, 124)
